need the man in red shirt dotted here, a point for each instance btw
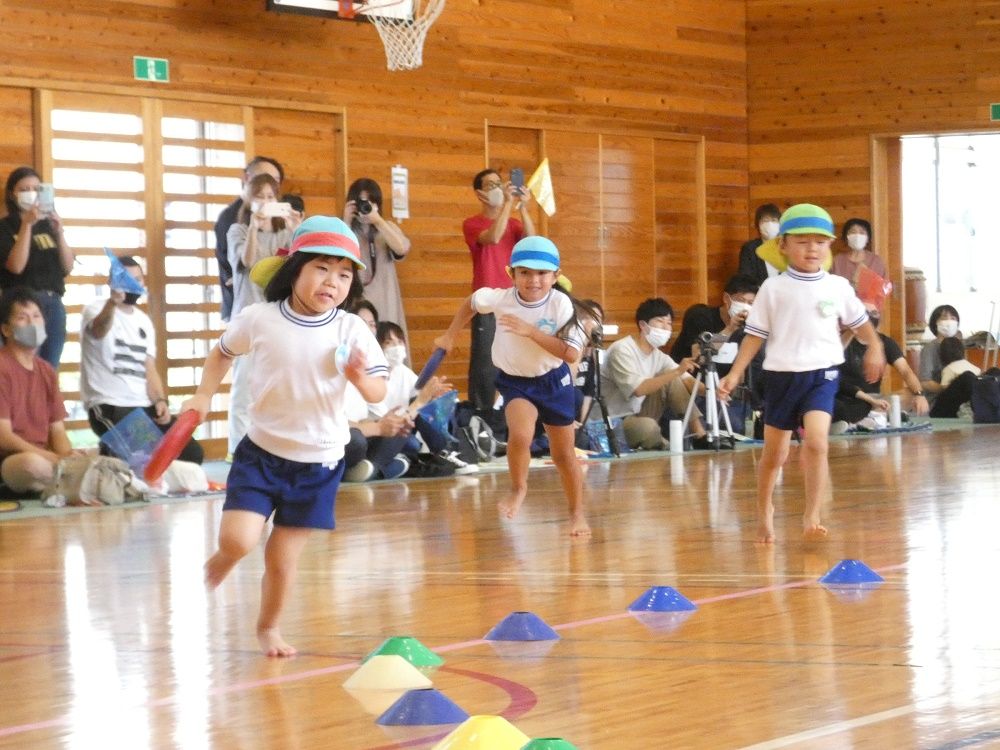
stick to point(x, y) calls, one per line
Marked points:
point(491, 235)
point(32, 432)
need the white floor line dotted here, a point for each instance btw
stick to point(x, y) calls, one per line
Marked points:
point(835, 728)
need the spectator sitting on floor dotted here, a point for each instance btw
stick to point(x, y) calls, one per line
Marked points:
point(726, 322)
point(953, 361)
point(32, 431)
point(118, 370)
point(859, 402)
point(646, 387)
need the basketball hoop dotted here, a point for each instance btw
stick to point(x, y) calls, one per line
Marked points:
point(403, 37)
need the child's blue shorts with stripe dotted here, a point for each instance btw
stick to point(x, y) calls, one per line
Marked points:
point(789, 395)
point(299, 494)
point(552, 394)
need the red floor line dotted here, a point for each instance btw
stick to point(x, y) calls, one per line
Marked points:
point(281, 679)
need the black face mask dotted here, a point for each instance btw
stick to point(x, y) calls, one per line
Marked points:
point(131, 298)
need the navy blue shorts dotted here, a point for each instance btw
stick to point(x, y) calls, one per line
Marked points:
point(299, 494)
point(552, 394)
point(789, 395)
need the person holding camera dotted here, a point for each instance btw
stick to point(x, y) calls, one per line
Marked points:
point(34, 254)
point(383, 244)
point(724, 324)
point(646, 387)
point(262, 229)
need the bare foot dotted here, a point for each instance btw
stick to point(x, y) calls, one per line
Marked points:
point(765, 527)
point(272, 644)
point(511, 504)
point(217, 568)
point(580, 527)
point(814, 533)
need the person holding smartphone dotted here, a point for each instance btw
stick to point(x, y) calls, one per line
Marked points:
point(34, 254)
point(263, 227)
point(491, 235)
point(383, 245)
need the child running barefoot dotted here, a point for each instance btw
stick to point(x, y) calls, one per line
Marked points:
point(537, 336)
point(306, 350)
point(799, 314)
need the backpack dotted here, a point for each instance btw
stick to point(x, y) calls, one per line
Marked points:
point(92, 480)
point(986, 397)
point(476, 442)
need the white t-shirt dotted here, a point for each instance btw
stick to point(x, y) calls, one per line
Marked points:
point(297, 408)
point(956, 368)
point(800, 314)
point(399, 391)
point(626, 366)
point(113, 369)
point(517, 355)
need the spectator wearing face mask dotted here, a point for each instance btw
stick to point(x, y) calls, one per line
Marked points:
point(32, 431)
point(766, 220)
point(491, 235)
point(118, 362)
point(646, 387)
point(34, 254)
point(726, 322)
point(859, 402)
point(943, 323)
point(857, 235)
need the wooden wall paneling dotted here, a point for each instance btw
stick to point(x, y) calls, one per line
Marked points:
point(887, 231)
point(309, 147)
point(680, 223)
point(629, 219)
point(574, 160)
point(17, 147)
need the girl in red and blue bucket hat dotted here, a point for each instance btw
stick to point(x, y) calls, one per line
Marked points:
point(800, 313)
point(306, 349)
point(537, 337)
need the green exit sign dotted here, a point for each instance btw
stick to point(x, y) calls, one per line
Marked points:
point(994, 112)
point(151, 69)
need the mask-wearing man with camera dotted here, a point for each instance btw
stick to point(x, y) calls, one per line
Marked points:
point(491, 235)
point(645, 387)
point(724, 324)
point(32, 432)
point(118, 358)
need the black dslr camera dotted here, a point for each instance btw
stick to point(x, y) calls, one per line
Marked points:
point(364, 207)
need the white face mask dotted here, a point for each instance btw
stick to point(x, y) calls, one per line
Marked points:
point(256, 206)
point(768, 229)
point(26, 199)
point(395, 354)
point(494, 196)
point(737, 308)
point(857, 241)
point(656, 337)
point(947, 328)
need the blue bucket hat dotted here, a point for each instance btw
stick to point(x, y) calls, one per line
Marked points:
point(539, 253)
point(322, 235)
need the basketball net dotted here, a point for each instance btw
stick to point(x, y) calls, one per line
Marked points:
point(403, 38)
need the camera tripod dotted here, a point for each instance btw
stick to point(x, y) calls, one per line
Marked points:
point(708, 375)
point(595, 367)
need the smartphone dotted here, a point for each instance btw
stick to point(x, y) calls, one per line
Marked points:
point(517, 177)
point(46, 198)
point(276, 209)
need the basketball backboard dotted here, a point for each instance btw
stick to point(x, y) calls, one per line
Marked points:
point(402, 9)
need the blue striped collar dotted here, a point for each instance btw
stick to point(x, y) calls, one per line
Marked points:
point(805, 276)
point(308, 321)
point(540, 302)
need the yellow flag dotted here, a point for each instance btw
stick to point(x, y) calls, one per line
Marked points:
point(540, 185)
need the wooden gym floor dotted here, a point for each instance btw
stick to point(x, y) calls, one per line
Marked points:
point(108, 638)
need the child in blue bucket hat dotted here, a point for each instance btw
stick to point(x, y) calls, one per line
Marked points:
point(538, 337)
